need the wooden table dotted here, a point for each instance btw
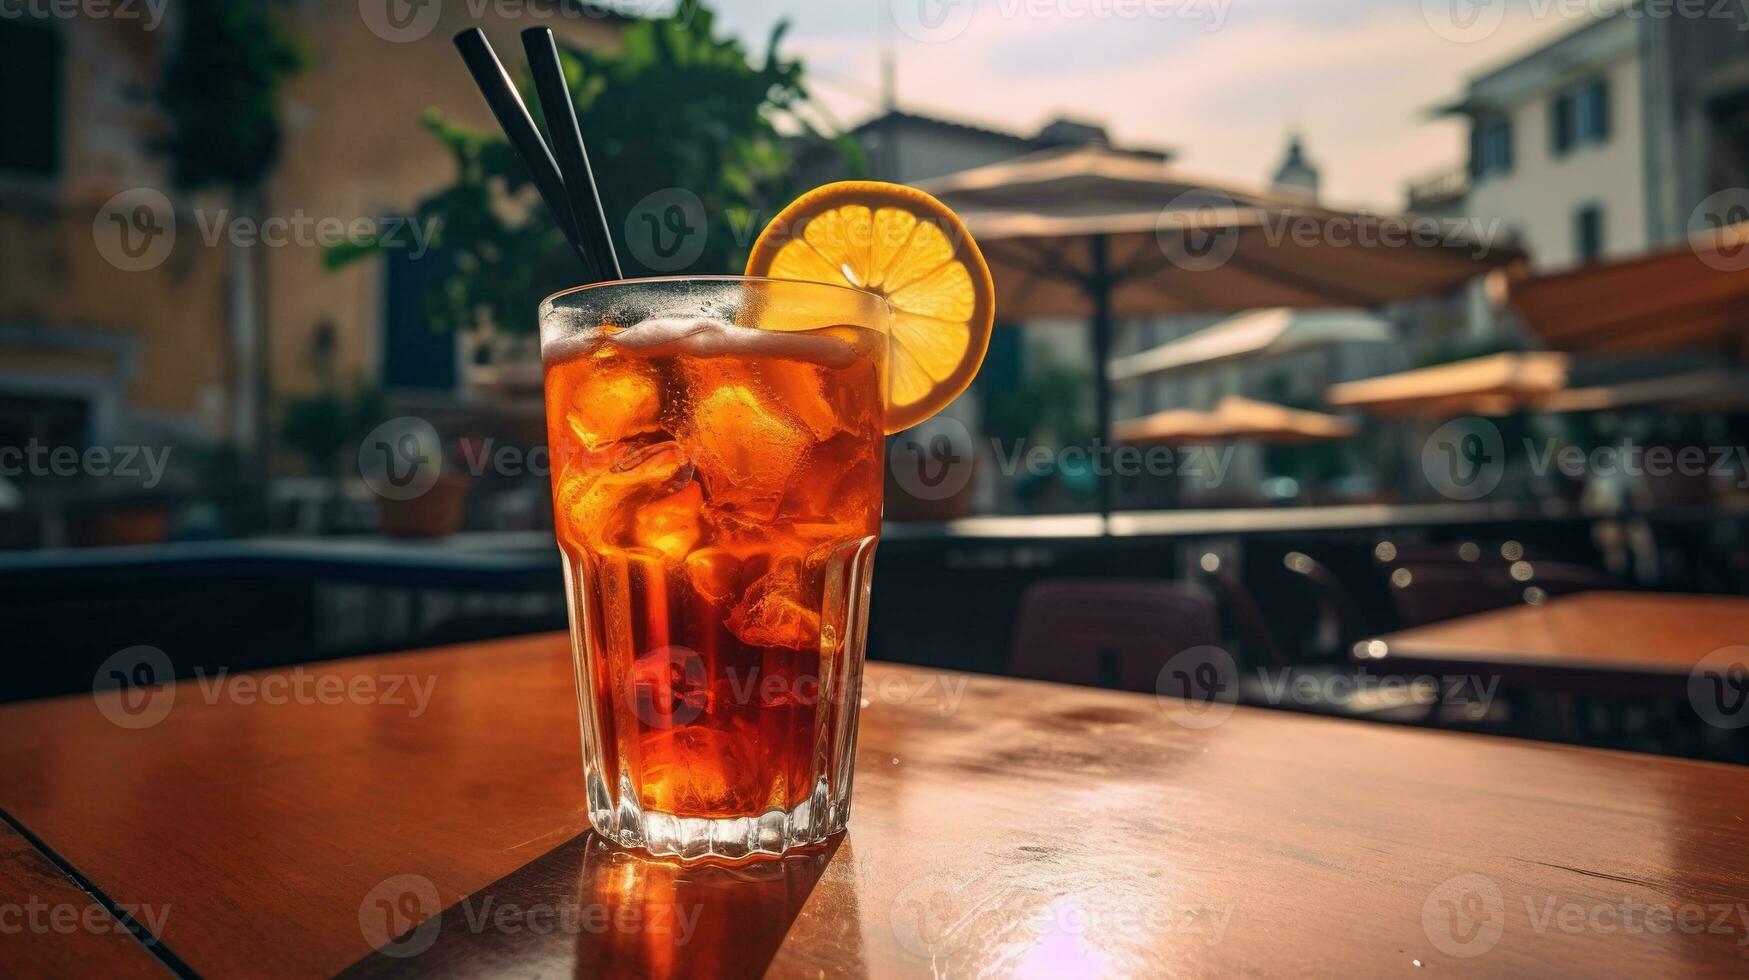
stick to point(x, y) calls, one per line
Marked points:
point(1000, 826)
point(1641, 643)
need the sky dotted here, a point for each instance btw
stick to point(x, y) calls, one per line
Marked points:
point(1218, 82)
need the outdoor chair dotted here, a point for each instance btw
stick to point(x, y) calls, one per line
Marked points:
point(1339, 622)
point(1265, 672)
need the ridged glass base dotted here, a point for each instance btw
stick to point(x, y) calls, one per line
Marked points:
point(699, 746)
point(770, 834)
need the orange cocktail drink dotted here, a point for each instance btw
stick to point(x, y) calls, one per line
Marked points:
point(717, 448)
point(717, 456)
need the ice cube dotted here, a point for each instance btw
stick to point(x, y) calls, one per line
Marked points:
point(802, 389)
point(598, 508)
point(615, 398)
point(839, 484)
point(712, 573)
point(746, 447)
point(670, 524)
point(698, 769)
point(777, 610)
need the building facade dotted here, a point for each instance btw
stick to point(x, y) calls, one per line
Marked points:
point(99, 345)
point(1622, 135)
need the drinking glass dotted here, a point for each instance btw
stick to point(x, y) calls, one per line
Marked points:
point(717, 454)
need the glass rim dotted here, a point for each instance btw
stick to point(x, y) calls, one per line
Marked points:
point(656, 280)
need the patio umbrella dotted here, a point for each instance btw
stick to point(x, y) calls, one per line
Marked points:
point(1690, 296)
point(1256, 334)
point(1712, 390)
point(1090, 231)
point(1233, 419)
point(1497, 384)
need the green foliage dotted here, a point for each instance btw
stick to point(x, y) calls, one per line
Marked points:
point(221, 93)
point(1053, 402)
point(675, 107)
point(322, 426)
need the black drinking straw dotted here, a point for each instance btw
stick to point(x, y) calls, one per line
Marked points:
point(513, 118)
point(567, 142)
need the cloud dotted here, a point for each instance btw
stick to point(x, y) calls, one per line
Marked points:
point(1355, 77)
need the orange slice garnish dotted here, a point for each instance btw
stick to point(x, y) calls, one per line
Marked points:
point(908, 247)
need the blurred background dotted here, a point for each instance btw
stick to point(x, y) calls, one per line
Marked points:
point(1332, 320)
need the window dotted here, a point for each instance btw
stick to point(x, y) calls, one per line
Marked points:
point(1588, 233)
point(30, 103)
point(1579, 117)
point(1491, 152)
